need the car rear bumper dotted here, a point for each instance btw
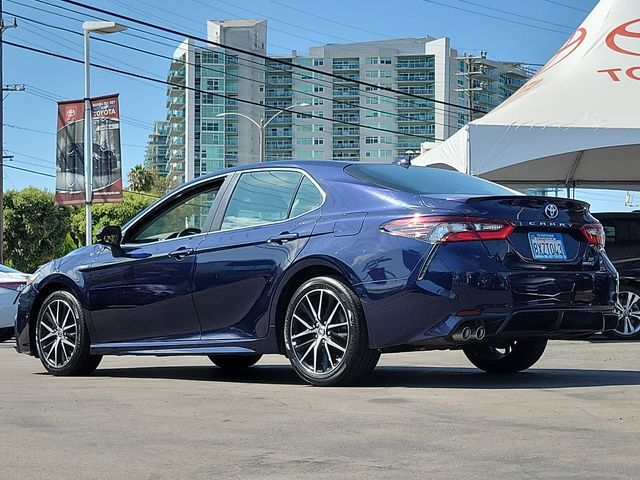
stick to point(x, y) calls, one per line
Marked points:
point(432, 308)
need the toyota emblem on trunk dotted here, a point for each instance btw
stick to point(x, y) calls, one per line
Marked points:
point(551, 211)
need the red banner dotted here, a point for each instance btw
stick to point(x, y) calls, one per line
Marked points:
point(107, 157)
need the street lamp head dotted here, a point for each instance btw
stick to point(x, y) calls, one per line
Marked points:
point(303, 105)
point(103, 27)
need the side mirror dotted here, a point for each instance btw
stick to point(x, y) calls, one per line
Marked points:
point(110, 235)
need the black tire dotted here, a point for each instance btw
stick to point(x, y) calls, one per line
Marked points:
point(628, 327)
point(235, 361)
point(6, 334)
point(509, 357)
point(345, 354)
point(78, 361)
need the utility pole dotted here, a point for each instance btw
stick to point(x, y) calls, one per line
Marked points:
point(469, 72)
point(3, 27)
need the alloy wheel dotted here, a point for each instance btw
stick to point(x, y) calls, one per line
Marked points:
point(628, 311)
point(319, 331)
point(57, 334)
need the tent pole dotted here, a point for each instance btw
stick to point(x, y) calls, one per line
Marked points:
point(468, 149)
point(569, 180)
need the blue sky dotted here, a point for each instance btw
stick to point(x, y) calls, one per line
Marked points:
point(292, 25)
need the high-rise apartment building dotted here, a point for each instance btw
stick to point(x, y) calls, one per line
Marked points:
point(155, 156)
point(329, 117)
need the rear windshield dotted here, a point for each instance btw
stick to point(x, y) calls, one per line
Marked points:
point(425, 180)
point(4, 269)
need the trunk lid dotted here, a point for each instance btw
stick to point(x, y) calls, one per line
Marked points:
point(547, 230)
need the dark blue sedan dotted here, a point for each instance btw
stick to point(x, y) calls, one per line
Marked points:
point(330, 264)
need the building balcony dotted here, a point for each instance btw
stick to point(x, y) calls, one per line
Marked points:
point(346, 132)
point(275, 66)
point(410, 77)
point(346, 92)
point(350, 78)
point(346, 65)
point(280, 134)
point(278, 81)
point(278, 145)
point(346, 146)
point(418, 90)
point(280, 92)
point(345, 106)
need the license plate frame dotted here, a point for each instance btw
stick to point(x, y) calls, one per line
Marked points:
point(547, 246)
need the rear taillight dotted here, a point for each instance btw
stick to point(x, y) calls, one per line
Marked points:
point(594, 233)
point(448, 229)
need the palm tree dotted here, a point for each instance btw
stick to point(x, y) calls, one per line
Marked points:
point(142, 178)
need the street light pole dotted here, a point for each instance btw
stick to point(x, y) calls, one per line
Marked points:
point(103, 28)
point(88, 143)
point(262, 126)
point(3, 27)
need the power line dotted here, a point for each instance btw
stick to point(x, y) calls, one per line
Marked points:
point(35, 172)
point(326, 19)
point(260, 66)
point(215, 94)
point(566, 6)
point(400, 116)
point(247, 52)
point(53, 97)
point(488, 15)
point(17, 127)
point(526, 17)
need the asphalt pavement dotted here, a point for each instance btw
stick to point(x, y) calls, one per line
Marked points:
point(575, 415)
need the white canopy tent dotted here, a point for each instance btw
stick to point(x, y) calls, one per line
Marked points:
point(576, 123)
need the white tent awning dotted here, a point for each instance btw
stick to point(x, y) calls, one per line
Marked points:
point(577, 122)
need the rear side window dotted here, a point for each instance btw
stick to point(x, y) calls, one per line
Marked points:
point(308, 198)
point(260, 198)
point(425, 180)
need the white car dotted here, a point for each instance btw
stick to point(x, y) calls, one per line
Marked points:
point(10, 281)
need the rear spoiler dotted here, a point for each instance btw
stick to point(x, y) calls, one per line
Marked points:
point(532, 199)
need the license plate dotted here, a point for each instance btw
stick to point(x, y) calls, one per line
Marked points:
point(547, 246)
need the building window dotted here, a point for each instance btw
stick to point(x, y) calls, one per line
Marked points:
point(371, 140)
point(318, 101)
point(304, 141)
point(318, 141)
point(318, 88)
point(318, 62)
point(372, 60)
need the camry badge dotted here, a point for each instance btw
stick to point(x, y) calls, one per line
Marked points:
point(551, 211)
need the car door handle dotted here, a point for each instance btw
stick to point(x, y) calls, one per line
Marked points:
point(180, 253)
point(284, 237)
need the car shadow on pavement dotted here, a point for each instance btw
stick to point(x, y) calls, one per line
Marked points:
point(391, 376)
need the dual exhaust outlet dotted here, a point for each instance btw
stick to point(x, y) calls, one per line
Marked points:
point(470, 332)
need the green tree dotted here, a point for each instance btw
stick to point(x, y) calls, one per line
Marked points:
point(109, 213)
point(36, 230)
point(146, 179)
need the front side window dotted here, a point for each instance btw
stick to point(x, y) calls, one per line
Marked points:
point(188, 216)
point(266, 197)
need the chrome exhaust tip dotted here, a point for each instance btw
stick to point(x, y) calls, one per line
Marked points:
point(463, 335)
point(466, 333)
point(481, 332)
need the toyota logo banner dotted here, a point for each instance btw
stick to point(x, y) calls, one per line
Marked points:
point(107, 159)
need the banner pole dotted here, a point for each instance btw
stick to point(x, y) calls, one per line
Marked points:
point(88, 144)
